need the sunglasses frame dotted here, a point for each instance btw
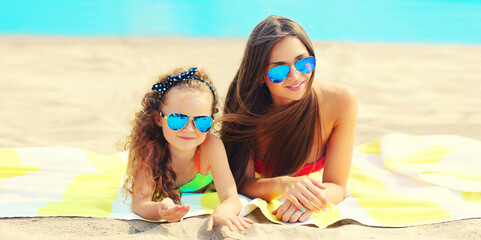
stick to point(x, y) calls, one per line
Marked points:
point(289, 69)
point(188, 119)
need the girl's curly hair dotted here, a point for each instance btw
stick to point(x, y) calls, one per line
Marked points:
point(147, 146)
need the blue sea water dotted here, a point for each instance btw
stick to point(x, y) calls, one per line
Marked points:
point(386, 21)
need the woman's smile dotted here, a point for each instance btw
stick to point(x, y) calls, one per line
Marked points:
point(296, 86)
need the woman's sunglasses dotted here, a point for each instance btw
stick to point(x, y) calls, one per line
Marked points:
point(177, 121)
point(279, 73)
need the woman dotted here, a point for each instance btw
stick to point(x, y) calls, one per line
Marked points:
point(284, 125)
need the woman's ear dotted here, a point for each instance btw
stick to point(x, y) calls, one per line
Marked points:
point(265, 79)
point(157, 118)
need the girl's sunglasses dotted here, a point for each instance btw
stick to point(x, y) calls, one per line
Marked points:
point(177, 121)
point(279, 73)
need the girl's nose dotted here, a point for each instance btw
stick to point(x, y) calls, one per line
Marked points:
point(190, 125)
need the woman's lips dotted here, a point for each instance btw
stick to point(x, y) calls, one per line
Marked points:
point(296, 87)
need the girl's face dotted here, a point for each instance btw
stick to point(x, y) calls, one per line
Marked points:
point(191, 103)
point(288, 51)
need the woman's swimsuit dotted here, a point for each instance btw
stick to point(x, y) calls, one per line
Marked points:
point(305, 170)
point(199, 182)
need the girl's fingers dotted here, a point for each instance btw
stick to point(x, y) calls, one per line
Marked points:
point(237, 223)
point(170, 210)
point(248, 221)
point(165, 211)
point(245, 222)
point(177, 215)
point(210, 223)
point(166, 203)
point(229, 225)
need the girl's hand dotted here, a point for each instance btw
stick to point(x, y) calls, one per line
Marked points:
point(224, 216)
point(305, 192)
point(170, 211)
point(287, 212)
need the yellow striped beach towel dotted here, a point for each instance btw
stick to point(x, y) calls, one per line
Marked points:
point(400, 180)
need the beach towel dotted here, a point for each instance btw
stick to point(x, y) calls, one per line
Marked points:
point(399, 180)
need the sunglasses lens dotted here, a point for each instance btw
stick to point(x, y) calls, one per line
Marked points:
point(306, 65)
point(177, 121)
point(278, 74)
point(203, 123)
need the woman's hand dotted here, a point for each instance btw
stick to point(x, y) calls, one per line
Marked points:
point(305, 193)
point(223, 215)
point(287, 212)
point(170, 211)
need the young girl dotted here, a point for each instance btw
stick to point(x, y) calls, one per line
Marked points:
point(170, 152)
point(286, 125)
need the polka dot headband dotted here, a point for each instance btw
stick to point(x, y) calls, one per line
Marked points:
point(162, 87)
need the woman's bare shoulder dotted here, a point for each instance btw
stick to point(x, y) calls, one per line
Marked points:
point(339, 100)
point(334, 92)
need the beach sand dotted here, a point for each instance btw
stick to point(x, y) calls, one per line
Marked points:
point(83, 92)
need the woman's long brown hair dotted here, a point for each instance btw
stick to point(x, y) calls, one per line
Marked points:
point(290, 132)
point(147, 145)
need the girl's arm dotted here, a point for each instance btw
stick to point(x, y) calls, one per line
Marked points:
point(143, 206)
point(225, 213)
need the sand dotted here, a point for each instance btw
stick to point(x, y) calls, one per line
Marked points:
point(83, 92)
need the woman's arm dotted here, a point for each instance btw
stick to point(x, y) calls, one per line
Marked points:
point(340, 144)
point(143, 206)
point(226, 213)
point(303, 192)
point(309, 192)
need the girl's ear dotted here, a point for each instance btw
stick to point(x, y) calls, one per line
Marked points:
point(157, 118)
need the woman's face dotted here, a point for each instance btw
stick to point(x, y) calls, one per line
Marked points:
point(287, 51)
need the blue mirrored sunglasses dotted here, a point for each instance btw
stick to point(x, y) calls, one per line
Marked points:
point(177, 121)
point(279, 73)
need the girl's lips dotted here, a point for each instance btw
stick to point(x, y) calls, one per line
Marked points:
point(187, 138)
point(296, 86)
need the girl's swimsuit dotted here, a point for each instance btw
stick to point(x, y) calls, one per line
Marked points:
point(305, 170)
point(199, 182)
